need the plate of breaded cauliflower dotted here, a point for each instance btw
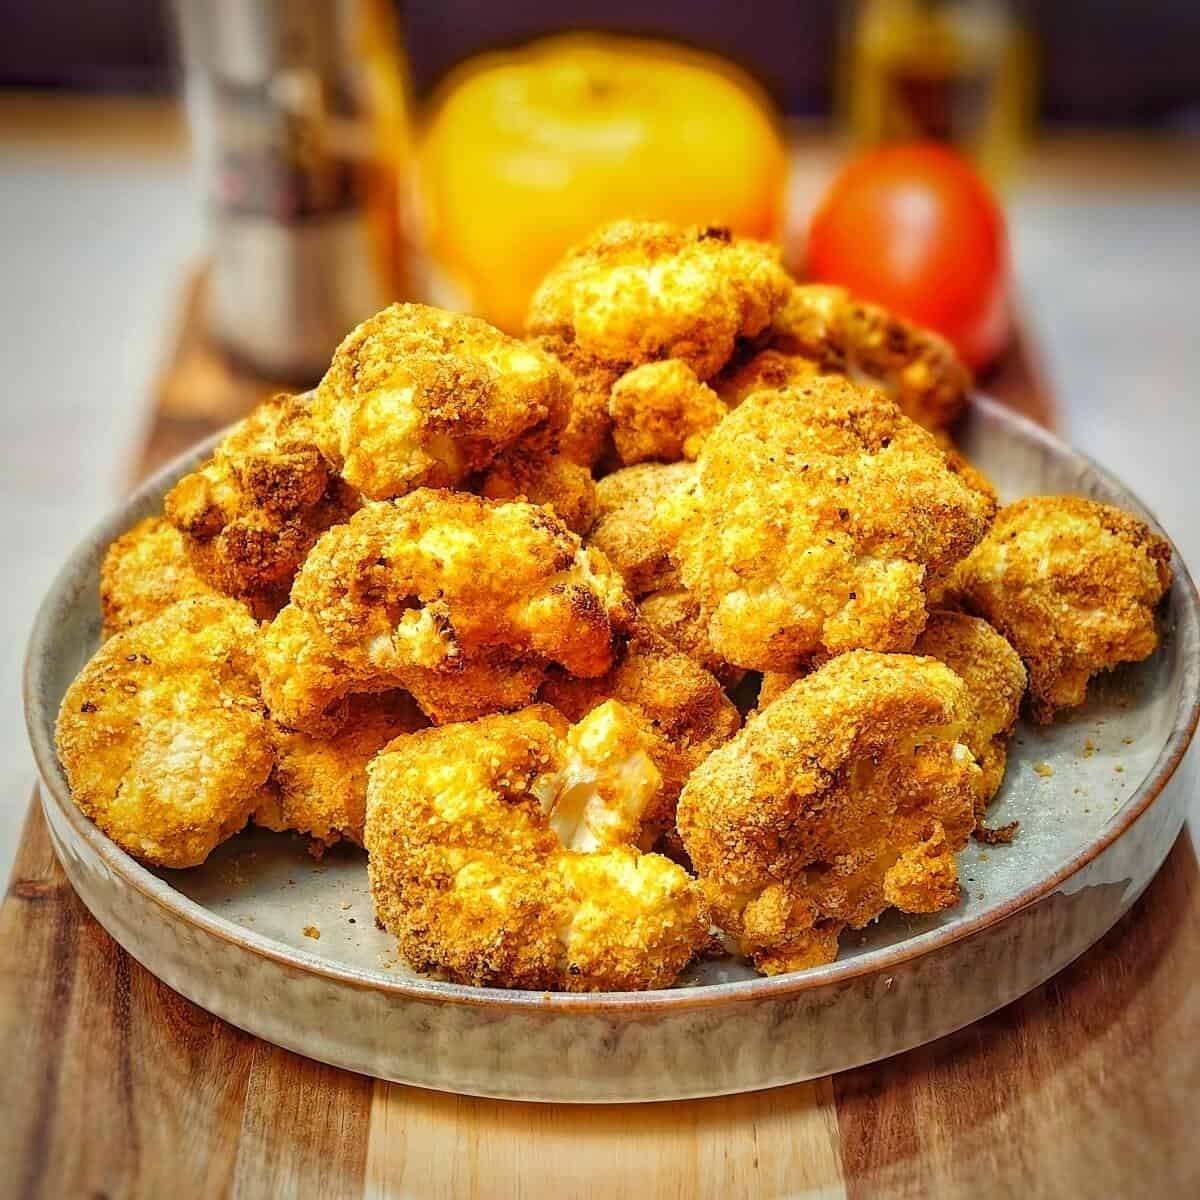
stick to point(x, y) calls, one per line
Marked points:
point(682, 641)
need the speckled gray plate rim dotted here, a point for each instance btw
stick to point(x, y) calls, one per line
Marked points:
point(40, 717)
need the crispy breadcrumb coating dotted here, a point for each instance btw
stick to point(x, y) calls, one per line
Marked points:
point(847, 795)
point(939, 584)
point(919, 370)
point(662, 412)
point(995, 680)
point(552, 480)
point(625, 530)
point(419, 397)
point(640, 291)
point(686, 709)
point(146, 570)
point(586, 438)
point(808, 323)
point(676, 615)
point(775, 683)
point(767, 371)
point(966, 470)
point(252, 512)
point(163, 735)
point(462, 601)
point(469, 876)
point(319, 785)
point(1073, 585)
point(813, 519)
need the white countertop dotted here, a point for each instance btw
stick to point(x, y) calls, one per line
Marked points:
point(93, 246)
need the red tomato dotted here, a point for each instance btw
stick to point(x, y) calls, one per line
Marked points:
point(915, 229)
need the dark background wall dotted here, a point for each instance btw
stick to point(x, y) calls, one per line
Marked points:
point(1104, 61)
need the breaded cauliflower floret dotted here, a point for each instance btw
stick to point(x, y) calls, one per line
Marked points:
point(625, 530)
point(995, 680)
point(463, 602)
point(815, 515)
point(163, 735)
point(687, 712)
point(847, 795)
point(468, 873)
point(552, 480)
point(252, 512)
point(419, 397)
point(662, 412)
point(1073, 585)
point(919, 370)
point(146, 570)
point(639, 291)
point(319, 785)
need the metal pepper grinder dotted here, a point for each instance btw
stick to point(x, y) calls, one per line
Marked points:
point(301, 142)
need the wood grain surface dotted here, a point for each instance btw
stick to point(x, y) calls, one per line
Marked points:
point(116, 1086)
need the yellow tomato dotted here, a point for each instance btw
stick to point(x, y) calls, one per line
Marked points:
point(527, 152)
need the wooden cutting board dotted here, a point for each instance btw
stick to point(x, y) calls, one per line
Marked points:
point(116, 1086)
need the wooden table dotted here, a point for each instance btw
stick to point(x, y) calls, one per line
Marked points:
point(116, 1086)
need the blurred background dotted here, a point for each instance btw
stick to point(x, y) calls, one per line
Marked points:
point(200, 198)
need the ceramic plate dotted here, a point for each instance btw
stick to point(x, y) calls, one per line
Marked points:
point(287, 948)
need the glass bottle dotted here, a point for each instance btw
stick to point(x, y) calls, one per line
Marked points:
point(955, 71)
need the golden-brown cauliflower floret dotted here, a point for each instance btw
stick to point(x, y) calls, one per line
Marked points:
point(995, 681)
point(419, 397)
point(662, 412)
point(319, 785)
point(813, 519)
point(625, 530)
point(253, 511)
point(847, 795)
point(552, 480)
point(163, 735)
point(640, 291)
point(1073, 585)
point(918, 369)
point(688, 713)
point(462, 601)
point(146, 570)
point(468, 873)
